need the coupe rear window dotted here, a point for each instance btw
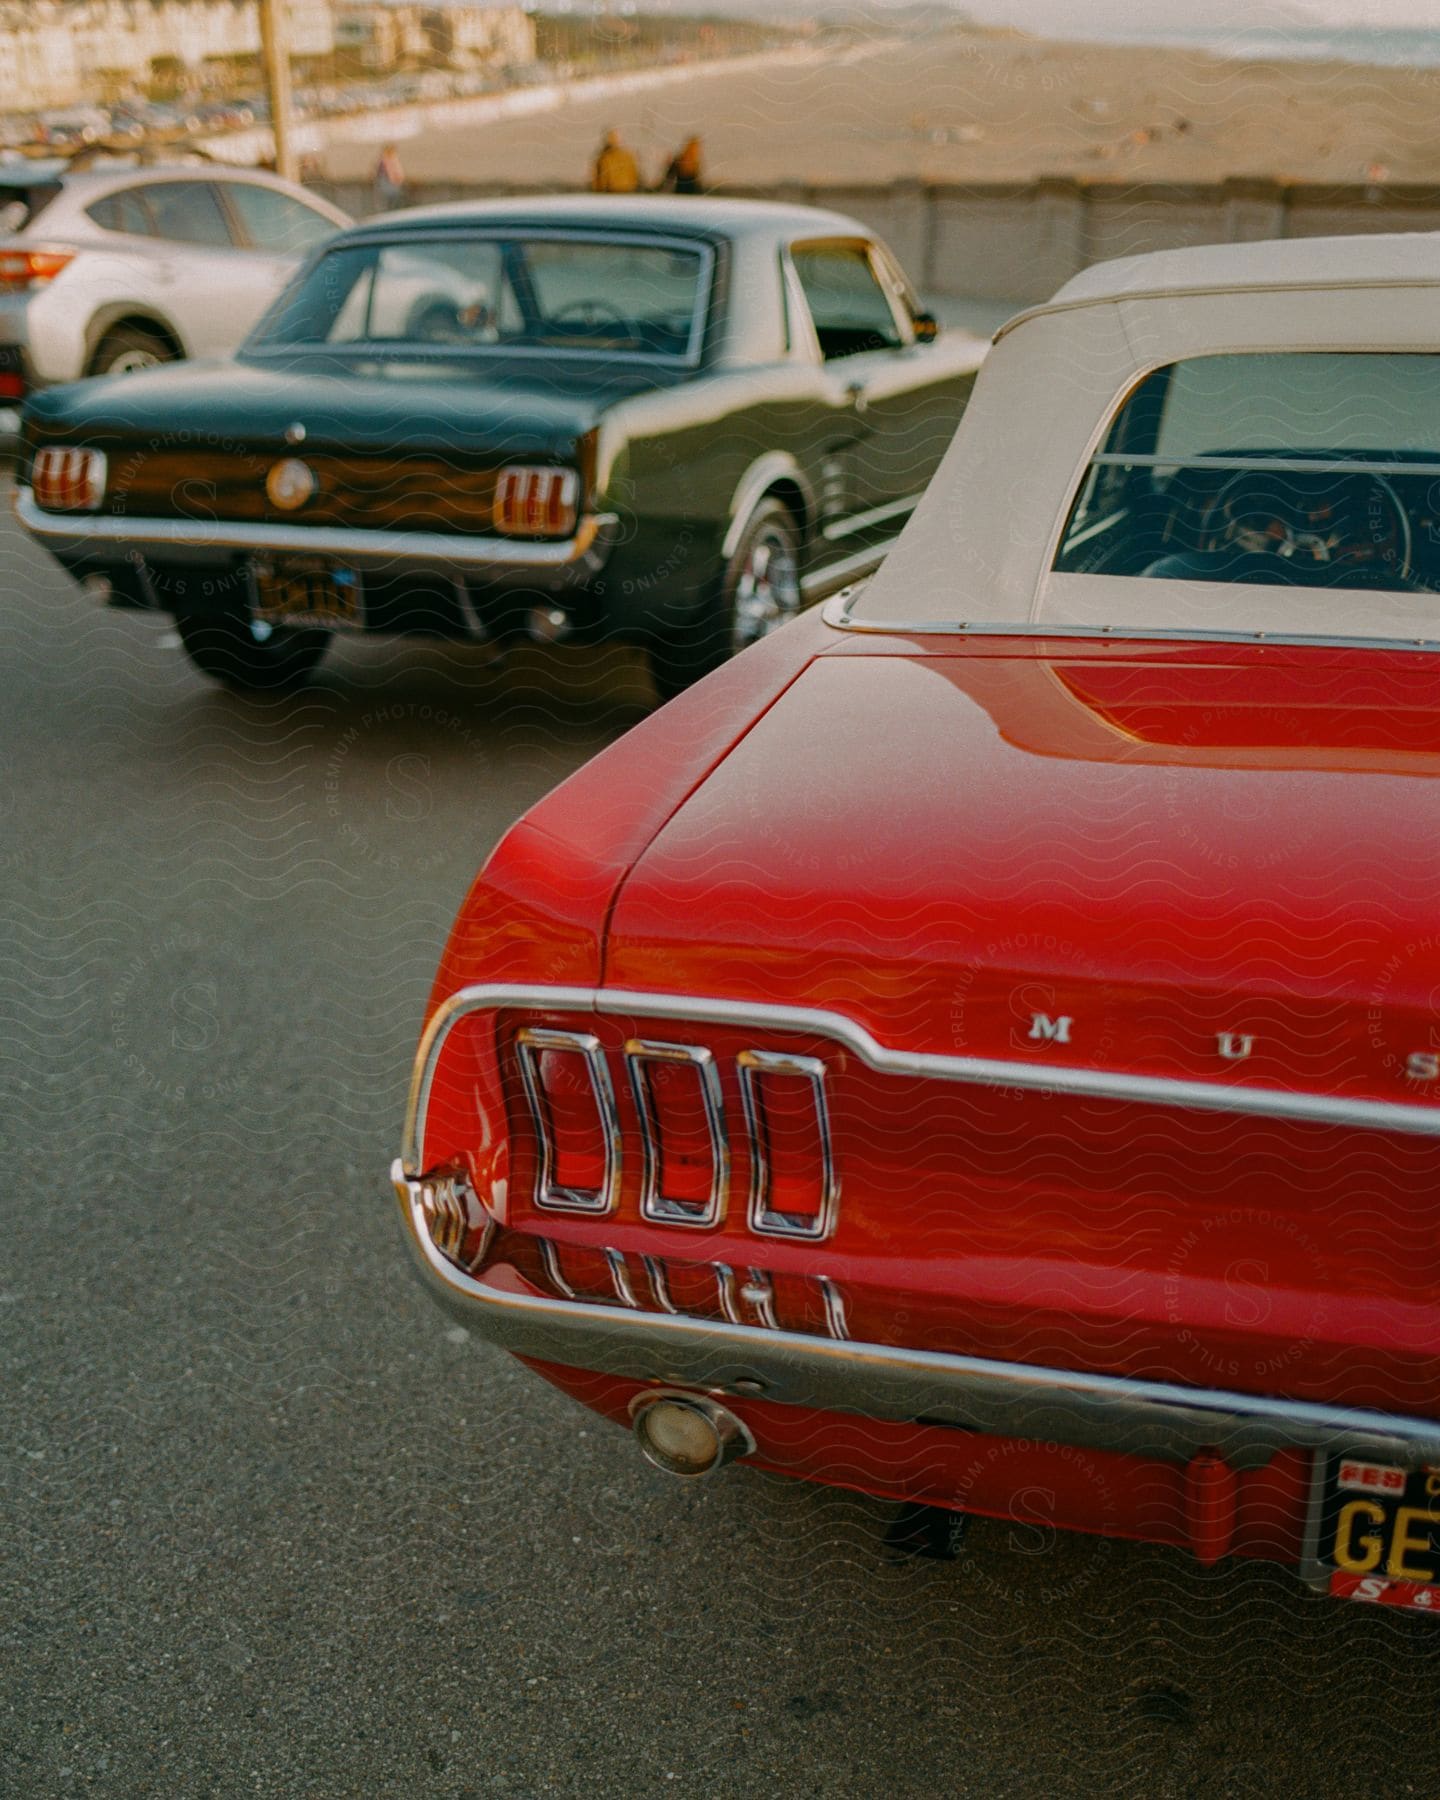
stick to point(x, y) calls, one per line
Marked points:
point(1303, 469)
point(490, 293)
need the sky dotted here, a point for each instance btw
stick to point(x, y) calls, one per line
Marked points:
point(1056, 16)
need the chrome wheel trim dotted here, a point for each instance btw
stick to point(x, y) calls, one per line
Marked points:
point(128, 362)
point(767, 591)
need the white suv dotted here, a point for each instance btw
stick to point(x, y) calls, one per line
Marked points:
point(107, 270)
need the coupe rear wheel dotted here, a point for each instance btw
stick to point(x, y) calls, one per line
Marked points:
point(757, 592)
point(127, 348)
point(250, 656)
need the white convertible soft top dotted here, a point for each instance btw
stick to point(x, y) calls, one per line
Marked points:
point(979, 549)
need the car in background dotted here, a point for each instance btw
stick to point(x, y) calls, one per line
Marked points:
point(982, 1047)
point(666, 422)
point(105, 271)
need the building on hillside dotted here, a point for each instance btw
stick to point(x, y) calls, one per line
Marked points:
point(382, 35)
point(467, 36)
point(63, 52)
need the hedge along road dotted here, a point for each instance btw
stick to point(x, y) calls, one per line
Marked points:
point(271, 1526)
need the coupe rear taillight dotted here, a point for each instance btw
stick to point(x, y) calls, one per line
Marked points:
point(793, 1187)
point(680, 1108)
point(666, 1129)
point(572, 1104)
point(536, 502)
point(68, 480)
point(32, 268)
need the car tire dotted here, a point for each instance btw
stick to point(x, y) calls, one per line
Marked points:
point(128, 348)
point(247, 657)
point(756, 592)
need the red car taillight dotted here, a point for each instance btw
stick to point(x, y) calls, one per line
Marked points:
point(68, 480)
point(32, 268)
point(572, 1103)
point(536, 502)
point(793, 1187)
point(666, 1129)
point(680, 1109)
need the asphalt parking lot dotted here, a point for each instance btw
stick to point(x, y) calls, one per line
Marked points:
point(271, 1526)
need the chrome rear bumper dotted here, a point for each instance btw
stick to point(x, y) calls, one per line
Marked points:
point(97, 535)
point(880, 1381)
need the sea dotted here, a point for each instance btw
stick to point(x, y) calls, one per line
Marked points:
point(1414, 47)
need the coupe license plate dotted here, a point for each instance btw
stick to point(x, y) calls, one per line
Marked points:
point(1376, 1532)
point(308, 590)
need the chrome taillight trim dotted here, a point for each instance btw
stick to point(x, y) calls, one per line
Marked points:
point(659, 1283)
point(554, 1274)
point(530, 1044)
point(662, 1209)
point(759, 1292)
point(765, 1219)
point(554, 491)
point(836, 1322)
point(620, 1279)
point(68, 478)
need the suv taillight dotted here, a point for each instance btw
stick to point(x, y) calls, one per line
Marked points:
point(32, 268)
point(536, 502)
point(67, 480)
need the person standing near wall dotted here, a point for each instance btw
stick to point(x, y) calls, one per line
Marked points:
point(683, 174)
point(390, 183)
point(615, 169)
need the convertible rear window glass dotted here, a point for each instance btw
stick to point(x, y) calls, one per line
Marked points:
point(1300, 469)
point(489, 293)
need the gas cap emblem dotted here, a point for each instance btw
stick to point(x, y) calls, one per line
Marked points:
point(290, 484)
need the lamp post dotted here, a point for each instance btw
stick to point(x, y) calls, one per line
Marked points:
point(275, 55)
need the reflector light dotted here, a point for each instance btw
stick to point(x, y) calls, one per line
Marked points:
point(32, 268)
point(686, 1175)
point(572, 1103)
point(536, 502)
point(12, 386)
point(794, 1191)
point(688, 1434)
point(67, 480)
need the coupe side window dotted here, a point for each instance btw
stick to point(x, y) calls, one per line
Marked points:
point(276, 222)
point(125, 211)
point(187, 212)
point(851, 310)
point(1304, 469)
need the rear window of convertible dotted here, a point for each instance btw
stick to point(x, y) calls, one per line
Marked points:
point(550, 293)
point(1304, 469)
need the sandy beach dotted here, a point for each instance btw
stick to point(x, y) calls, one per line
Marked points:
point(973, 106)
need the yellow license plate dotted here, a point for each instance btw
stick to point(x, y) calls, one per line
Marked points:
point(1376, 1532)
point(308, 591)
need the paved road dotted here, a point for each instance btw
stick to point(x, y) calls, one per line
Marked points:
point(269, 1527)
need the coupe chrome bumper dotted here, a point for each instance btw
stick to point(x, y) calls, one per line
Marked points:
point(185, 540)
point(882, 1381)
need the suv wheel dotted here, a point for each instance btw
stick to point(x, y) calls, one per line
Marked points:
point(127, 348)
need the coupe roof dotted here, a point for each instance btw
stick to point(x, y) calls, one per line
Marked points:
point(647, 212)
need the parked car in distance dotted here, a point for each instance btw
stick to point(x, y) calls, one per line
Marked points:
point(105, 271)
point(981, 1047)
point(670, 422)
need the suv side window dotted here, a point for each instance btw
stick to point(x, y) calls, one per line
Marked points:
point(125, 211)
point(187, 212)
point(274, 221)
point(851, 310)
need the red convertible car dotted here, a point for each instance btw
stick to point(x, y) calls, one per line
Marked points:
point(982, 1046)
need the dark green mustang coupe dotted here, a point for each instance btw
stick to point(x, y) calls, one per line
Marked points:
point(672, 422)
